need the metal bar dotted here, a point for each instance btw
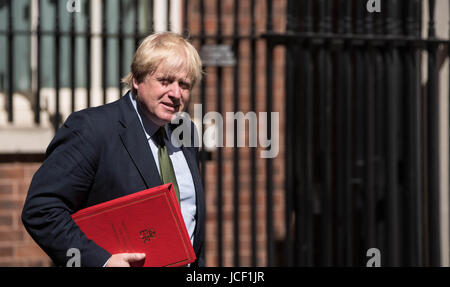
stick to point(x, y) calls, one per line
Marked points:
point(324, 73)
point(413, 182)
point(354, 39)
point(401, 132)
point(380, 128)
point(359, 140)
point(304, 224)
point(10, 63)
point(72, 61)
point(300, 140)
point(56, 119)
point(291, 151)
point(290, 179)
point(219, 149)
point(136, 24)
point(203, 99)
point(37, 101)
point(433, 144)
point(343, 90)
point(340, 139)
point(120, 51)
point(269, 161)
point(104, 50)
point(254, 218)
point(348, 122)
point(236, 75)
point(88, 54)
point(392, 97)
point(419, 195)
point(369, 176)
point(410, 182)
point(202, 91)
point(186, 19)
point(152, 22)
point(66, 33)
point(169, 24)
point(283, 38)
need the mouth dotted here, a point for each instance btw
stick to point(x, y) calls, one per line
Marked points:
point(171, 107)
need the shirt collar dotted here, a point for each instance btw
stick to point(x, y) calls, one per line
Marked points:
point(150, 127)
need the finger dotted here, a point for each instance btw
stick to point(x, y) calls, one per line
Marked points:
point(132, 257)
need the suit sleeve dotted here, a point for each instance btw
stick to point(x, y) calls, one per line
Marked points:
point(59, 188)
point(200, 262)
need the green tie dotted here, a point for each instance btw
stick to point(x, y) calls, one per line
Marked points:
point(165, 164)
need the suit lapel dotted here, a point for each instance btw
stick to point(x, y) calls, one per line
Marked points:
point(135, 142)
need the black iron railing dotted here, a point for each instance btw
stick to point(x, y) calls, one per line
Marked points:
point(57, 34)
point(363, 155)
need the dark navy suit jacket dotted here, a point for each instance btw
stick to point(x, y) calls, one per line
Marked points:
point(98, 154)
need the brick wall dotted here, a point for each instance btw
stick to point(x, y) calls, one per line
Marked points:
point(17, 248)
point(211, 25)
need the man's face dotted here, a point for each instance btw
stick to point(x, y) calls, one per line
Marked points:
point(162, 95)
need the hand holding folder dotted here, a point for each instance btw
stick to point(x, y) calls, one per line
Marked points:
point(148, 221)
point(126, 260)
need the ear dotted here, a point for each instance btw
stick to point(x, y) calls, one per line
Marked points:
point(135, 83)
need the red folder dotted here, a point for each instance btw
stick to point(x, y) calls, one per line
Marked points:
point(148, 221)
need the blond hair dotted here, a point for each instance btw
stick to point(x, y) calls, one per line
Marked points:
point(171, 51)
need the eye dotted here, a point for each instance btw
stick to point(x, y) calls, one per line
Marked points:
point(165, 81)
point(185, 85)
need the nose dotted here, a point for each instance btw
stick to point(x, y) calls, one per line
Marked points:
point(176, 90)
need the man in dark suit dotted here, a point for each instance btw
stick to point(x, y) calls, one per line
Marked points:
point(114, 150)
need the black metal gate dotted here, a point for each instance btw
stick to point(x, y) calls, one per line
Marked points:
point(363, 134)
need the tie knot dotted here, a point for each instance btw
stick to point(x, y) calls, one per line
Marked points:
point(160, 135)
